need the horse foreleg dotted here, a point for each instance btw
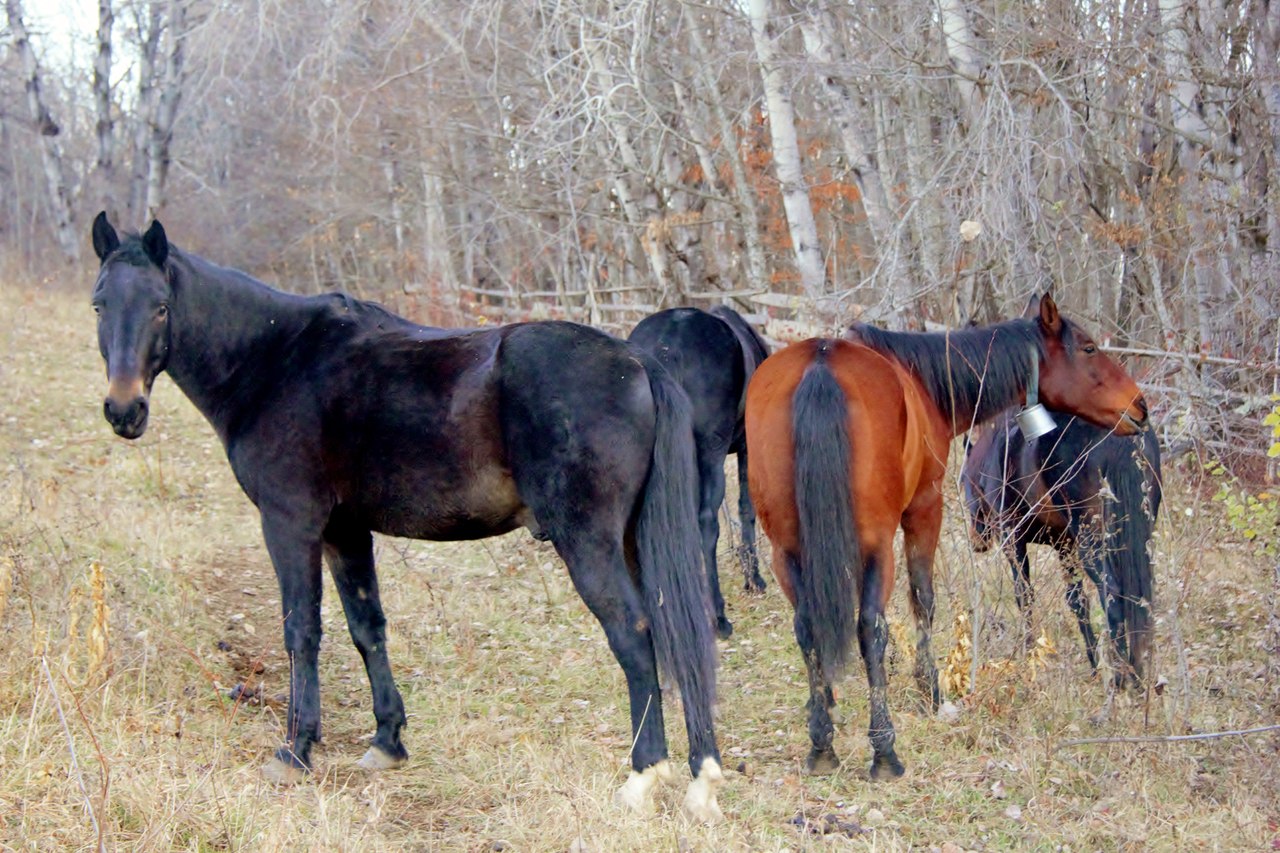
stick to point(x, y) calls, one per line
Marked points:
point(350, 555)
point(873, 638)
point(753, 582)
point(921, 526)
point(711, 495)
point(296, 557)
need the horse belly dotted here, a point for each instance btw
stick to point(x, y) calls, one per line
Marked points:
point(481, 503)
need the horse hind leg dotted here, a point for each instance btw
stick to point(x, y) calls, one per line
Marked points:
point(752, 581)
point(1023, 592)
point(711, 495)
point(822, 758)
point(921, 527)
point(873, 638)
point(600, 575)
point(349, 551)
point(1079, 603)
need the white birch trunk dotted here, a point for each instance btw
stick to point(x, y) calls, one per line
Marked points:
point(823, 45)
point(747, 209)
point(966, 57)
point(170, 96)
point(149, 29)
point(104, 125)
point(1267, 69)
point(1195, 140)
point(47, 131)
point(786, 155)
point(644, 219)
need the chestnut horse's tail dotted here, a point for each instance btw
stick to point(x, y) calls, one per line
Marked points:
point(830, 562)
point(676, 592)
point(1132, 469)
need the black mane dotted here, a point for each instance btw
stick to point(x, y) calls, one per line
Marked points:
point(971, 374)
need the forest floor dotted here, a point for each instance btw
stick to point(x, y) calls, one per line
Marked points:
point(117, 726)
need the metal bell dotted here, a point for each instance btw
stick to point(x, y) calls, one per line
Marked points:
point(1034, 421)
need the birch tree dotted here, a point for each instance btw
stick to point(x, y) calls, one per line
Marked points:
point(810, 263)
point(169, 97)
point(104, 125)
point(58, 192)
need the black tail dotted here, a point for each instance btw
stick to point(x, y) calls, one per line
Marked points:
point(830, 555)
point(1133, 473)
point(676, 593)
point(754, 349)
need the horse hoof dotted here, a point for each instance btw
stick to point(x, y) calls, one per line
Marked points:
point(754, 586)
point(885, 768)
point(280, 772)
point(636, 794)
point(378, 758)
point(700, 800)
point(724, 628)
point(822, 763)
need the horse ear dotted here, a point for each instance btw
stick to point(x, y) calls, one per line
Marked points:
point(1033, 307)
point(105, 240)
point(155, 244)
point(1049, 316)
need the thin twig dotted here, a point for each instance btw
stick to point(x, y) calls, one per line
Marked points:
point(1167, 738)
point(1197, 358)
point(71, 746)
point(102, 759)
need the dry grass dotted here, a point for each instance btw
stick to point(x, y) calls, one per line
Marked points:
point(114, 708)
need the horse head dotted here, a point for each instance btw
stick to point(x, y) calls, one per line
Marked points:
point(1076, 376)
point(131, 298)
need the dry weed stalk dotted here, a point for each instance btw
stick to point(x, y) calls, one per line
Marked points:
point(956, 675)
point(74, 597)
point(7, 571)
point(99, 630)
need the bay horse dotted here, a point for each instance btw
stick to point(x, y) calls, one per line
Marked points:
point(713, 354)
point(1094, 497)
point(341, 419)
point(848, 439)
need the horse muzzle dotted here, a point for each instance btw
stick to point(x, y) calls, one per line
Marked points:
point(126, 408)
point(1135, 419)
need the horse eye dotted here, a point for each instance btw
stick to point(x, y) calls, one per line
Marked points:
point(1089, 349)
point(162, 312)
point(97, 309)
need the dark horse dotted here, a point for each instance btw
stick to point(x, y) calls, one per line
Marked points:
point(340, 418)
point(712, 354)
point(1094, 497)
point(849, 439)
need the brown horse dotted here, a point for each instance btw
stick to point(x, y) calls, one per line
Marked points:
point(848, 439)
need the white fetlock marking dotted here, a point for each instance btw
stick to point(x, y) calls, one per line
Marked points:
point(700, 800)
point(279, 773)
point(376, 759)
point(637, 792)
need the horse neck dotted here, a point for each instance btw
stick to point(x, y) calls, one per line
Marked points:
point(225, 323)
point(971, 375)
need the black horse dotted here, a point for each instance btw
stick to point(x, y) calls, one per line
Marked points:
point(712, 354)
point(340, 418)
point(1093, 496)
